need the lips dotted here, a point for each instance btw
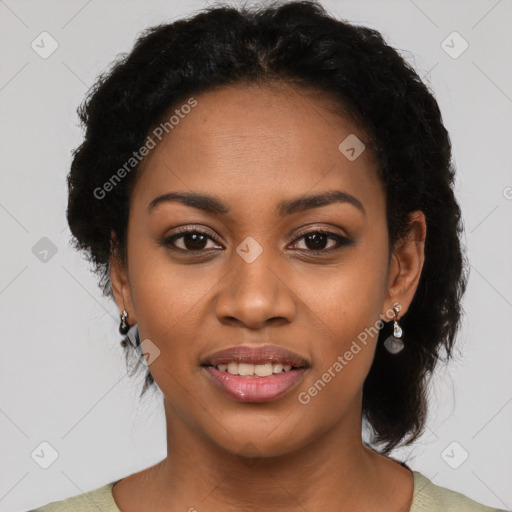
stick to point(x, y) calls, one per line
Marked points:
point(289, 369)
point(256, 355)
point(255, 389)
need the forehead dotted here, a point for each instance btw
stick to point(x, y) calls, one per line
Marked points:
point(251, 144)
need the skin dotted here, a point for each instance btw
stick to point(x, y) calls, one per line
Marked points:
point(253, 147)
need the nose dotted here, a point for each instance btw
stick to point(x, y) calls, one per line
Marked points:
point(255, 294)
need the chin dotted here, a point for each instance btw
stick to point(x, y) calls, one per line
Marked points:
point(249, 439)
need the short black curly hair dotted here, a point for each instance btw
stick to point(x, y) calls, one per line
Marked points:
point(296, 43)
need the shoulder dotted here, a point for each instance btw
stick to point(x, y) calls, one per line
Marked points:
point(433, 498)
point(92, 501)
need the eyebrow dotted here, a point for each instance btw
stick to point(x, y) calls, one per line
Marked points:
point(215, 206)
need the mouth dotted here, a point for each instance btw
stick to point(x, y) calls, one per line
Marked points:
point(255, 374)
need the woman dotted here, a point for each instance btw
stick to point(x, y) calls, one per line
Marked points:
point(267, 195)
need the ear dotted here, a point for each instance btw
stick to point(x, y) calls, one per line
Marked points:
point(405, 267)
point(120, 281)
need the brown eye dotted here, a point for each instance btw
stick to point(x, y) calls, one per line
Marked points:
point(317, 241)
point(188, 241)
point(194, 241)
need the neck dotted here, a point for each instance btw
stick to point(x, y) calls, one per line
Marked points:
point(333, 468)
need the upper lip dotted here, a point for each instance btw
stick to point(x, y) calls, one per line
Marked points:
point(255, 355)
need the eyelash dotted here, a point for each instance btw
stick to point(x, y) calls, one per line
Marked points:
point(168, 241)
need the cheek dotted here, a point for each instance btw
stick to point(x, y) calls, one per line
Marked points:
point(345, 318)
point(346, 298)
point(168, 301)
point(342, 358)
point(165, 291)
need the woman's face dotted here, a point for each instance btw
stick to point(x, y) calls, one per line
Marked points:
point(254, 278)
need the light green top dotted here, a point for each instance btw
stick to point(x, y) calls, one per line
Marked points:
point(427, 497)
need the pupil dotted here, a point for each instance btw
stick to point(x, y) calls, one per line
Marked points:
point(318, 240)
point(197, 241)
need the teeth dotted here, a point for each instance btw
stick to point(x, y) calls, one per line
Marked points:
point(277, 367)
point(263, 370)
point(245, 369)
point(233, 368)
point(260, 370)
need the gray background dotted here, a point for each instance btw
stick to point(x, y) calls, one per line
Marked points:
point(63, 376)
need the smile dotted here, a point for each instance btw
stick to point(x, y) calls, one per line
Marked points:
point(254, 388)
point(247, 369)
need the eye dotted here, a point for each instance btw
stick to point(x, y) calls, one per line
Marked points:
point(194, 241)
point(317, 239)
point(191, 240)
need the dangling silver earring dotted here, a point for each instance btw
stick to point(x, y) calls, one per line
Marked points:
point(124, 326)
point(393, 343)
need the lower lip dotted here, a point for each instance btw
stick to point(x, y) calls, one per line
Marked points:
point(255, 389)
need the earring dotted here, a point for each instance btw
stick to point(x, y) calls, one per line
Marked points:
point(124, 326)
point(393, 343)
